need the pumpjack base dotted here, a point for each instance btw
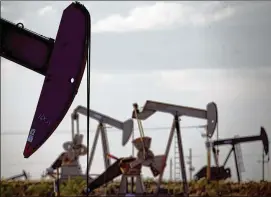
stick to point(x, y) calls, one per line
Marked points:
point(72, 171)
point(140, 188)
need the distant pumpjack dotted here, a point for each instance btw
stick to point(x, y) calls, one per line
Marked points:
point(23, 174)
point(220, 172)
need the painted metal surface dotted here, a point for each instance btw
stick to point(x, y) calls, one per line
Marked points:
point(63, 77)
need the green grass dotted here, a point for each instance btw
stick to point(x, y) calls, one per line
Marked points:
point(75, 186)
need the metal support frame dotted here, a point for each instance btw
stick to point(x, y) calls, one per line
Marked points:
point(181, 155)
point(126, 127)
point(227, 158)
point(177, 170)
point(100, 130)
point(190, 163)
point(176, 111)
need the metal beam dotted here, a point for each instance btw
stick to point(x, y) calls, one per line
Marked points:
point(126, 126)
point(210, 114)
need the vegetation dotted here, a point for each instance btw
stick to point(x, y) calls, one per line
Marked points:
point(74, 188)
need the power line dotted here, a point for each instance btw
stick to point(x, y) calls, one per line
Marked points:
point(38, 163)
point(111, 129)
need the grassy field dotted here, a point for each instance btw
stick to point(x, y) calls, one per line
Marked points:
point(74, 188)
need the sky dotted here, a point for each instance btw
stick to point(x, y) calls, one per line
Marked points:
point(184, 53)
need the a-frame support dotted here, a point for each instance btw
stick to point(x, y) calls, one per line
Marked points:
point(105, 146)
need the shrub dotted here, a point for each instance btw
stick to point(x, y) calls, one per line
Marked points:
point(75, 186)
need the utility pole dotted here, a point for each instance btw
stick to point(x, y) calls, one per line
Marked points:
point(189, 162)
point(263, 162)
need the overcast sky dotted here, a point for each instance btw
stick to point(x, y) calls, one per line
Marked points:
point(185, 53)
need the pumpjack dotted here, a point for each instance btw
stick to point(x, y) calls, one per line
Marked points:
point(220, 172)
point(103, 120)
point(68, 161)
point(22, 175)
point(131, 166)
point(177, 111)
point(61, 61)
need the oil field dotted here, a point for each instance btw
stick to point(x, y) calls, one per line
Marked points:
point(66, 177)
point(62, 62)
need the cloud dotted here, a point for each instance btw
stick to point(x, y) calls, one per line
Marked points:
point(45, 10)
point(220, 83)
point(163, 15)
